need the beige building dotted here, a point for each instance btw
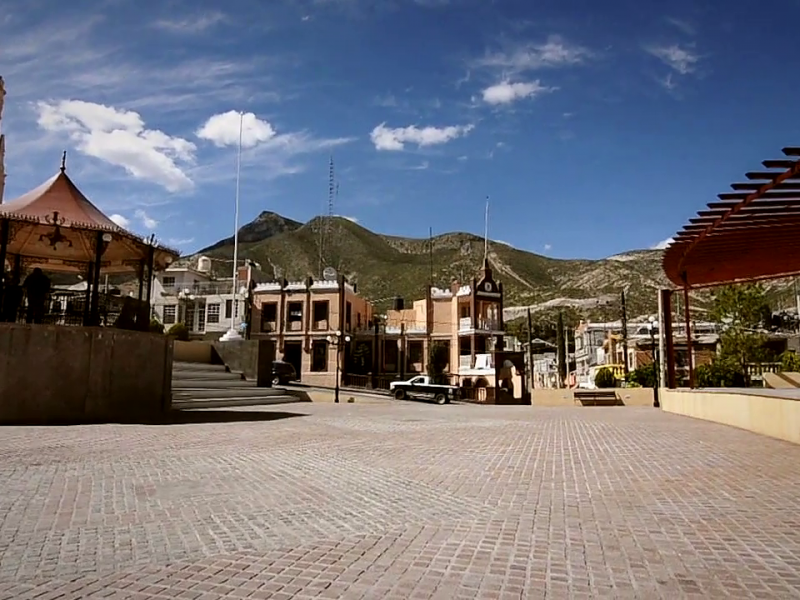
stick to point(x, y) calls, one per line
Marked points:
point(304, 317)
point(467, 319)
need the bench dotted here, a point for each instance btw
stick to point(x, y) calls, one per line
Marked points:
point(597, 397)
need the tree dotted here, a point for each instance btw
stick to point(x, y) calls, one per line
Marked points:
point(742, 312)
point(438, 359)
point(721, 372)
point(790, 362)
point(605, 379)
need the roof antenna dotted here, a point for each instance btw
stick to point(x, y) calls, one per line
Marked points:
point(64, 161)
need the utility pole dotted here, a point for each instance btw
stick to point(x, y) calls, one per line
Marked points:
point(624, 336)
point(561, 351)
point(530, 350)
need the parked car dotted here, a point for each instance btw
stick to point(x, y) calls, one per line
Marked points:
point(421, 387)
point(282, 372)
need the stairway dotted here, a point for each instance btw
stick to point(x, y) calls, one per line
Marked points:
point(200, 385)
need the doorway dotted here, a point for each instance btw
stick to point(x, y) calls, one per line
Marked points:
point(293, 354)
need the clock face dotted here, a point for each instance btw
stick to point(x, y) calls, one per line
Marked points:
point(487, 286)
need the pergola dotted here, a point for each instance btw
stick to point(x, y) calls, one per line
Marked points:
point(750, 234)
point(55, 227)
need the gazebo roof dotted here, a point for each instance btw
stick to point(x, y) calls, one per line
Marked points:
point(59, 194)
point(749, 234)
point(55, 226)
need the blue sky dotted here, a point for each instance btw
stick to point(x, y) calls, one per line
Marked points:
point(594, 128)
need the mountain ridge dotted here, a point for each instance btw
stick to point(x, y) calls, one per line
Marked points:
point(385, 266)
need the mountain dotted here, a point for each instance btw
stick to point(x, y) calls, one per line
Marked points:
point(264, 226)
point(387, 266)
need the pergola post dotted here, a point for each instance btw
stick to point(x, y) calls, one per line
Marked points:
point(151, 253)
point(87, 300)
point(667, 341)
point(687, 319)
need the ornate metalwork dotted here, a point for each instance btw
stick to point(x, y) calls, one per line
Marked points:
point(56, 237)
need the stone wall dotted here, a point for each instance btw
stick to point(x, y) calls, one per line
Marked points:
point(554, 397)
point(52, 374)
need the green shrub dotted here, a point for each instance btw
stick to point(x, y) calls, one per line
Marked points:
point(720, 373)
point(605, 379)
point(180, 332)
point(644, 376)
point(156, 326)
point(790, 362)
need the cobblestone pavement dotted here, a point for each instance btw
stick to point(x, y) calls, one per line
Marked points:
point(405, 501)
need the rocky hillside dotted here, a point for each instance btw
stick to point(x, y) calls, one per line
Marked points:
point(388, 266)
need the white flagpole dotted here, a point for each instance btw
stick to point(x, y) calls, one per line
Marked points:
point(486, 232)
point(232, 333)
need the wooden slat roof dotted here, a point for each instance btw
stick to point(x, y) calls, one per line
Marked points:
point(750, 234)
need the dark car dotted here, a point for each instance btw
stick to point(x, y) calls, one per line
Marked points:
point(282, 373)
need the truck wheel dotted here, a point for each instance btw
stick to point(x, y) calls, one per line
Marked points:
point(440, 398)
point(400, 394)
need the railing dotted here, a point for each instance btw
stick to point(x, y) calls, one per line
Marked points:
point(200, 289)
point(377, 382)
point(69, 309)
point(465, 324)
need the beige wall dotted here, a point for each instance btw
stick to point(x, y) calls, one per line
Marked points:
point(50, 373)
point(771, 416)
point(628, 396)
point(195, 352)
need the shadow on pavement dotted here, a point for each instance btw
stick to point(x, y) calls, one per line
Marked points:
point(176, 417)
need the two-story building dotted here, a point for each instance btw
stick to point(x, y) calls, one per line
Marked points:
point(466, 319)
point(303, 318)
point(190, 293)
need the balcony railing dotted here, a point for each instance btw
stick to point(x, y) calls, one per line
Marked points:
point(465, 324)
point(200, 289)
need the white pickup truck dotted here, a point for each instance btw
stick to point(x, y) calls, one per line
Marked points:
point(421, 387)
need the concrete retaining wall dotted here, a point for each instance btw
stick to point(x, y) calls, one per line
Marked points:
point(54, 374)
point(768, 415)
point(194, 352)
point(628, 397)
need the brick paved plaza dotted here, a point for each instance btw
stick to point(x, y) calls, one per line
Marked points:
point(400, 500)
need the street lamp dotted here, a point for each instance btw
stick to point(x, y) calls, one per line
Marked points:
point(338, 342)
point(652, 326)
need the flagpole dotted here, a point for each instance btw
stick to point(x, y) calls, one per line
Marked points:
point(232, 334)
point(486, 232)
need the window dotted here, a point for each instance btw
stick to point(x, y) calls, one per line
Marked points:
point(168, 281)
point(213, 313)
point(169, 314)
point(321, 311)
point(269, 316)
point(415, 353)
point(348, 316)
point(229, 309)
point(189, 317)
point(319, 356)
point(295, 316)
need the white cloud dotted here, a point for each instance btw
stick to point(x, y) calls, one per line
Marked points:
point(385, 138)
point(424, 165)
point(548, 247)
point(120, 220)
point(119, 137)
point(190, 25)
point(506, 92)
point(177, 242)
point(223, 129)
point(663, 244)
point(148, 221)
point(681, 60)
point(351, 219)
point(555, 52)
point(685, 26)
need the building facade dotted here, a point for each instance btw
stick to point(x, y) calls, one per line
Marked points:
point(190, 294)
point(303, 319)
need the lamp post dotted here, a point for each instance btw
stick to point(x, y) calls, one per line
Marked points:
point(338, 342)
point(652, 326)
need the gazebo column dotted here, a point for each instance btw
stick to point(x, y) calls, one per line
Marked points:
point(87, 300)
point(4, 227)
point(687, 319)
point(94, 314)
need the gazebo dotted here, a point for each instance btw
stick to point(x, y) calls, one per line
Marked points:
point(56, 228)
point(52, 373)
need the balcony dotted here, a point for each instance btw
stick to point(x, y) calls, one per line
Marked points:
point(199, 289)
point(483, 325)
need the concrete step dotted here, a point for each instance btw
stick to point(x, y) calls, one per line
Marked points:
point(188, 366)
point(213, 384)
point(205, 376)
point(181, 394)
point(224, 402)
